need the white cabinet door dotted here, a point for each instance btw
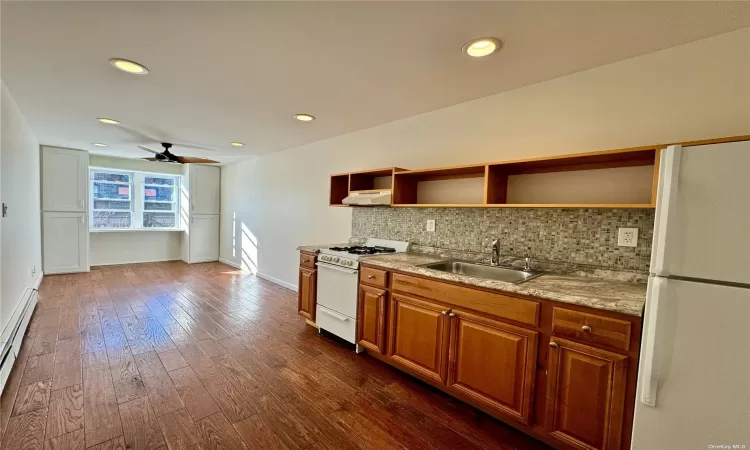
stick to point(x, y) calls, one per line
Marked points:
point(66, 242)
point(64, 179)
point(204, 238)
point(205, 184)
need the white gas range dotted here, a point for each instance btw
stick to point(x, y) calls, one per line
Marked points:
point(338, 279)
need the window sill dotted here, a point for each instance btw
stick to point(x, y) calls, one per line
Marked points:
point(131, 230)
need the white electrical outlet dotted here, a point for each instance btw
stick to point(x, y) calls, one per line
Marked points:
point(627, 237)
point(33, 271)
point(431, 225)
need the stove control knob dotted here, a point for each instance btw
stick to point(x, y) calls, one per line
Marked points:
point(336, 259)
point(349, 263)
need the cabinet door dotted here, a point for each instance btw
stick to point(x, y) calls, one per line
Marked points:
point(417, 336)
point(204, 238)
point(371, 318)
point(66, 242)
point(205, 185)
point(64, 180)
point(306, 295)
point(493, 363)
point(585, 395)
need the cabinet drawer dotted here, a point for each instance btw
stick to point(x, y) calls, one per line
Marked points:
point(307, 260)
point(373, 277)
point(591, 328)
point(511, 308)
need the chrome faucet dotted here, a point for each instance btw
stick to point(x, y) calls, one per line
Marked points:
point(495, 256)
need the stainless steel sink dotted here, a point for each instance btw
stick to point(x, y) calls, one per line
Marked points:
point(482, 271)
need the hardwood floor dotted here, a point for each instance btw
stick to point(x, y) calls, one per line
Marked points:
point(166, 355)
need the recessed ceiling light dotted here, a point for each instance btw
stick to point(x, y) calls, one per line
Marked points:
point(304, 117)
point(109, 121)
point(237, 144)
point(485, 46)
point(129, 66)
point(98, 144)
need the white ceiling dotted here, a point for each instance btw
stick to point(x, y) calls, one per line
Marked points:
point(237, 71)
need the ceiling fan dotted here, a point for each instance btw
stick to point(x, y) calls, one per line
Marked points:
point(168, 157)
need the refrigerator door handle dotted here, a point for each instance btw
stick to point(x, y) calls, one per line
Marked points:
point(650, 374)
point(666, 206)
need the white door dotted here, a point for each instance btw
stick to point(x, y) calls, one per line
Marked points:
point(205, 185)
point(703, 213)
point(700, 350)
point(204, 238)
point(66, 242)
point(64, 179)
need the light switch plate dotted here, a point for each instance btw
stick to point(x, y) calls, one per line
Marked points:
point(627, 237)
point(431, 225)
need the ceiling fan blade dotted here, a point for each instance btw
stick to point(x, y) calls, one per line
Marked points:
point(192, 160)
point(149, 150)
point(150, 159)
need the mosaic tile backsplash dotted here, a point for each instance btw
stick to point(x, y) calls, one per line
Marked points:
point(580, 236)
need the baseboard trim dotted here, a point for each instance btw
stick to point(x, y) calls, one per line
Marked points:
point(230, 263)
point(39, 280)
point(135, 262)
point(277, 281)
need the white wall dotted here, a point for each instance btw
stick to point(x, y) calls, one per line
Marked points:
point(20, 235)
point(126, 247)
point(694, 91)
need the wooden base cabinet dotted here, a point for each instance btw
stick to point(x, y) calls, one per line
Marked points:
point(484, 348)
point(417, 336)
point(371, 318)
point(306, 295)
point(493, 363)
point(585, 395)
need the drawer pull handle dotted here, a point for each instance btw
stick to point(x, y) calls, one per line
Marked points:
point(445, 313)
point(370, 277)
point(553, 344)
point(381, 294)
point(586, 328)
point(305, 261)
point(452, 315)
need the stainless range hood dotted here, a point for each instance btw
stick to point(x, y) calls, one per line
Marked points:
point(368, 198)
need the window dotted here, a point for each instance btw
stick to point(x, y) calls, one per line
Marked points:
point(112, 204)
point(117, 203)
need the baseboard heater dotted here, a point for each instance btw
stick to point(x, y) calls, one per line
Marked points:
point(12, 337)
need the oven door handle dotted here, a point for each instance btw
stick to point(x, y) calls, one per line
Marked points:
point(335, 315)
point(340, 269)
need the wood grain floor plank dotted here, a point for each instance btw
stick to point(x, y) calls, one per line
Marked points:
point(180, 432)
point(32, 397)
point(258, 434)
point(270, 380)
point(101, 416)
point(211, 347)
point(198, 402)
point(92, 338)
point(227, 396)
point(161, 391)
point(26, 432)
point(75, 440)
point(218, 433)
point(117, 443)
point(69, 326)
point(140, 426)
point(172, 360)
point(39, 368)
point(65, 411)
point(67, 370)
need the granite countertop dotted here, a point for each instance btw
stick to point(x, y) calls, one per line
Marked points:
point(600, 293)
point(316, 248)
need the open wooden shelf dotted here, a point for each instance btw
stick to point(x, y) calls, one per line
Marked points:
point(343, 184)
point(630, 174)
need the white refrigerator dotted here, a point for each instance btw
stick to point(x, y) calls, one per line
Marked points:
point(694, 372)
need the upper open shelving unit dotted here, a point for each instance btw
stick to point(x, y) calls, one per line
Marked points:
point(625, 178)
